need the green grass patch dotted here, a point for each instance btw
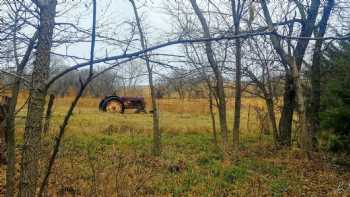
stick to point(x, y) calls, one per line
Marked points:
point(279, 186)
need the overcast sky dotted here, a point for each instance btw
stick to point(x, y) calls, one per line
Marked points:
point(155, 20)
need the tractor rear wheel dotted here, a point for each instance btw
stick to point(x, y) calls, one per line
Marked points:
point(114, 106)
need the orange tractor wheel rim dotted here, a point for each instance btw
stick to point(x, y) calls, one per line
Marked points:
point(113, 106)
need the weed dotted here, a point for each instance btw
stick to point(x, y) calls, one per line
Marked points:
point(234, 174)
point(279, 186)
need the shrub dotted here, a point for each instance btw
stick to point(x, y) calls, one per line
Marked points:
point(335, 100)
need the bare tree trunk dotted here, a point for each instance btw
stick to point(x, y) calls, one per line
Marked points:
point(62, 128)
point(45, 148)
point(237, 114)
point(10, 130)
point(11, 140)
point(286, 120)
point(48, 114)
point(270, 106)
point(222, 111)
point(267, 95)
point(218, 75)
point(305, 137)
point(212, 114)
point(10, 121)
point(11, 143)
point(237, 8)
point(7, 140)
point(156, 129)
point(271, 111)
point(11, 113)
point(4, 108)
point(294, 63)
point(33, 126)
point(285, 123)
point(248, 118)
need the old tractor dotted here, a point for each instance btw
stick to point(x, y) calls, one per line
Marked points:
point(120, 103)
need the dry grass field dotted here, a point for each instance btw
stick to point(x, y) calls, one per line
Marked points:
point(108, 154)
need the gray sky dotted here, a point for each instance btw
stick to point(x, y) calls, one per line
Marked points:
point(155, 20)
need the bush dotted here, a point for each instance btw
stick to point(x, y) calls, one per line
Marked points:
point(335, 100)
point(329, 141)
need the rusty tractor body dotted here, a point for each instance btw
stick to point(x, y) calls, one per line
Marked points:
point(121, 103)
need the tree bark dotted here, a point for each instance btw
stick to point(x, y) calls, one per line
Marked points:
point(48, 114)
point(271, 112)
point(10, 121)
point(270, 106)
point(236, 15)
point(293, 80)
point(305, 137)
point(307, 29)
point(211, 110)
point(156, 129)
point(33, 127)
point(286, 120)
point(218, 75)
point(63, 126)
point(11, 143)
point(45, 148)
point(237, 113)
point(11, 139)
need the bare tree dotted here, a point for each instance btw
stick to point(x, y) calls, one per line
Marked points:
point(33, 126)
point(217, 73)
point(17, 13)
point(156, 129)
point(69, 114)
point(293, 59)
point(264, 78)
point(237, 7)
